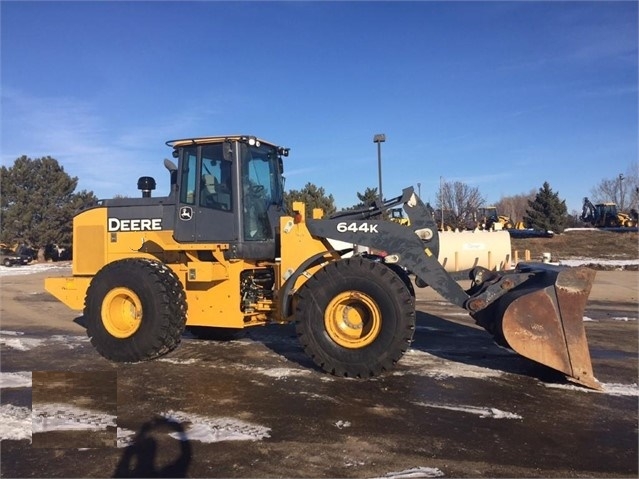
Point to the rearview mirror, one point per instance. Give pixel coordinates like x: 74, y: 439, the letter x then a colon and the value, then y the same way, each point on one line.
x: 227, y: 151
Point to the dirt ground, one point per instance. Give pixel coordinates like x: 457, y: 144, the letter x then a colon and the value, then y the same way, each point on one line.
x: 611, y: 245
x: 456, y: 406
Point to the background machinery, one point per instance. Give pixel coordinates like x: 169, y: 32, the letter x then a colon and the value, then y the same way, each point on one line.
x: 220, y: 253
x: 489, y: 219
x: 606, y: 215
x: 397, y: 215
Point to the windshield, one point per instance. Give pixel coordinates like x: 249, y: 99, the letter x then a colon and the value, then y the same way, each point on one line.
x: 262, y: 187
x: 261, y: 170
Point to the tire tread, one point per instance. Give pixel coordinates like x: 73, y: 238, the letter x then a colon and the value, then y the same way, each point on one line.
x: 169, y: 304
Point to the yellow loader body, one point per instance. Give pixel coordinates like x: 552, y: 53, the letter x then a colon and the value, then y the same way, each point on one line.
x: 211, y: 287
x: 220, y: 253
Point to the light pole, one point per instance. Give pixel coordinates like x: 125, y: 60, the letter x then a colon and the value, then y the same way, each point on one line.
x: 379, y: 139
x: 620, y: 191
x: 441, y: 198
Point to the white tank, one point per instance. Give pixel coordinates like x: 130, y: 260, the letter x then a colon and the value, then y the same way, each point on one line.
x: 463, y: 250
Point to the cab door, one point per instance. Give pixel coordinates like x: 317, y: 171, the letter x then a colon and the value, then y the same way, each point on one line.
x: 206, y: 209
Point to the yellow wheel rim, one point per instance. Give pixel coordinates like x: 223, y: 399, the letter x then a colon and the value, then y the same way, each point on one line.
x: 121, y: 312
x: 352, y: 319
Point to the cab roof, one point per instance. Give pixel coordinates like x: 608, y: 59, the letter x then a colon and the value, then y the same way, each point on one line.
x: 216, y: 139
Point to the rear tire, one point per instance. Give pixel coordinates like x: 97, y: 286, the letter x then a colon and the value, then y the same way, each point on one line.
x: 355, y: 318
x: 135, y: 310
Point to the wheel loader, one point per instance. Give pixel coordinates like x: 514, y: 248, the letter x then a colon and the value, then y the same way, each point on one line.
x: 220, y: 254
x: 397, y: 215
x: 489, y: 219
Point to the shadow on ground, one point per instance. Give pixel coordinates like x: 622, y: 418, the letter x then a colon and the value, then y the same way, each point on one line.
x: 148, y: 456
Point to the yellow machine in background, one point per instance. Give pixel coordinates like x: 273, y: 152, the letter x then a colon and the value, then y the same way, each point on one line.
x: 397, y: 215
x: 606, y: 215
x: 220, y: 254
x: 489, y: 219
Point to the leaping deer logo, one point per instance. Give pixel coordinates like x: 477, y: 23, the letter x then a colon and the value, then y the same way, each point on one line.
x: 186, y: 213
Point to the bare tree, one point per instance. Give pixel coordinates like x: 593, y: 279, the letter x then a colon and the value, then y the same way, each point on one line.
x: 515, y: 206
x: 622, y: 189
x: 459, y: 202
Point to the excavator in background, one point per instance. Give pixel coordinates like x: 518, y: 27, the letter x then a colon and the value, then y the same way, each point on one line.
x: 220, y: 253
x: 606, y: 215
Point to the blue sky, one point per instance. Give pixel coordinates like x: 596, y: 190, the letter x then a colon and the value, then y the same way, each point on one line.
x: 500, y: 95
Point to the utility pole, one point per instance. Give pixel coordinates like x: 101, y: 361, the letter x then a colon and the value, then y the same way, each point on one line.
x: 379, y: 139
x: 419, y: 190
x: 621, y: 205
x: 441, y: 198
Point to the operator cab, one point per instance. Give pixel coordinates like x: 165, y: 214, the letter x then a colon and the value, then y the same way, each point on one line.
x: 229, y: 190
x: 609, y: 209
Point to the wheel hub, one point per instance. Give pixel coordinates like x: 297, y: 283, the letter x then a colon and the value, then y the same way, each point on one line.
x: 353, y: 320
x: 121, y: 312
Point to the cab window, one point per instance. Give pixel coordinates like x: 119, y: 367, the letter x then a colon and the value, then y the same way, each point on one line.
x: 189, y: 176
x: 215, y: 180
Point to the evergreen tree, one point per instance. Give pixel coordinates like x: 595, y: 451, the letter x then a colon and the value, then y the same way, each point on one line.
x: 37, y: 202
x: 367, y: 198
x: 547, y: 211
x: 313, y: 197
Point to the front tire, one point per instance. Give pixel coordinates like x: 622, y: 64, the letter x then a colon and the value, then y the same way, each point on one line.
x: 135, y: 310
x: 355, y: 318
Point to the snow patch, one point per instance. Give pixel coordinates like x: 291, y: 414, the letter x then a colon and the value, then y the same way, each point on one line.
x: 612, y: 389
x: 15, y: 423
x: 35, y: 268
x: 616, y: 389
x: 342, y: 424
x: 17, y: 340
x: 20, y: 379
x: 125, y: 437
x: 413, y: 472
x: 608, y: 262
x: 70, y: 342
x: 21, y: 344
x: 282, y: 373
x: 482, y: 412
x: 208, y: 429
x: 425, y: 364
x: 11, y: 333
x: 321, y: 397
x: 178, y: 361
x: 615, y: 318
x: 65, y: 417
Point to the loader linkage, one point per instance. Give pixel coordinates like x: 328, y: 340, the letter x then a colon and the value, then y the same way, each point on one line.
x: 536, y: 309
